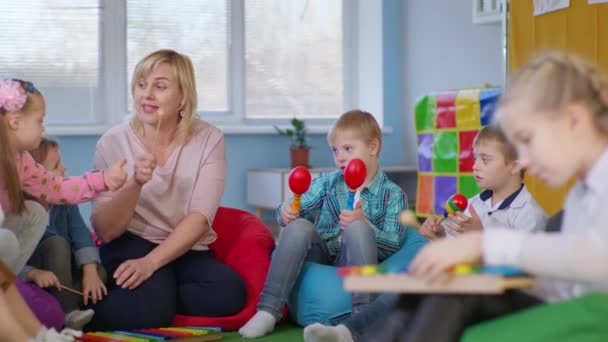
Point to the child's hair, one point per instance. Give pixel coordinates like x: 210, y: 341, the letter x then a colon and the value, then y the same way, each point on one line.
x: 8, y: 169
x: 184, y: 74
x: 556, y: 79
x: 361, y: 123
x: 494, y: 133
x: 46, y: 144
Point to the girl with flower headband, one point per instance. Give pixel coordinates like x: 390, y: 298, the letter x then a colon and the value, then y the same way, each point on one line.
x: 22, y: 110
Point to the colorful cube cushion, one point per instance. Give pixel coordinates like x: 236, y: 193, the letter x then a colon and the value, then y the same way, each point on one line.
x: 446, y: 124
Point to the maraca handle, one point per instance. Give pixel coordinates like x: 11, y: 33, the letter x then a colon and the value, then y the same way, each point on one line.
x: 351, y: 199
x: 295, y: 205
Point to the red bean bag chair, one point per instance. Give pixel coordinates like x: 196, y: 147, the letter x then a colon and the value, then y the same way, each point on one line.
x: 244, y: 243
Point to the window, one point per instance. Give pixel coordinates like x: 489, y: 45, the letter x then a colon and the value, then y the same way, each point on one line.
x: 293, y: 58
x: 55, y: 44
x: 290, y: 52
x: 256, y: 61
x: 197, y: 28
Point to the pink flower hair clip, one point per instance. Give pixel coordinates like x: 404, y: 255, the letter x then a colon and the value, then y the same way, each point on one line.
x: 12, y: 95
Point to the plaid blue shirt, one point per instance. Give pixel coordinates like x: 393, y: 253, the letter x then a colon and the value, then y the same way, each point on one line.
x: 383, y: 202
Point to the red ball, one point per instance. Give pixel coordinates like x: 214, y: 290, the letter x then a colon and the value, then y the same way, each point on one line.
x: 460, y: 201
x: 354, y: 173
x: 299, y: 180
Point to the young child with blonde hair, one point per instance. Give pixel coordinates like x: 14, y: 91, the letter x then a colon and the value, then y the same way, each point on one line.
x: 66, y: 254
x: 555, y: 111
x: 324, y: 231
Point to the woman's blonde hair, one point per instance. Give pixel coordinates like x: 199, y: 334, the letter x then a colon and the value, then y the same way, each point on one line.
x: 556, y: 79
x: 361, y: 123
x: 8, y: 167
x: 184, y: 74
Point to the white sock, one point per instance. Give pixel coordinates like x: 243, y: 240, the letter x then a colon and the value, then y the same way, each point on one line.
x: 320, y: 333
x: 259, y: 325
x: 67, y: 332
x: 77, y: 319
x: 51, y: 335
x: 41, y: 334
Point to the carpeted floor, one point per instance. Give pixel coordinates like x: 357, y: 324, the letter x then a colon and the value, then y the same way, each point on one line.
x: 285, y: 332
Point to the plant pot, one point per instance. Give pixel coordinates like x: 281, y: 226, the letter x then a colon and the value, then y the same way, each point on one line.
x: 299, y: 157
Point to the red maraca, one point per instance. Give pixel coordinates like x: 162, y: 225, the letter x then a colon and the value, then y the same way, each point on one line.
x: 299, y: 182
x: 354, y: 176
x: 455, y: 203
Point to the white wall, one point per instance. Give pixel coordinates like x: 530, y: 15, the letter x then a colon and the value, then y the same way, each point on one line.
x: 443, y: 50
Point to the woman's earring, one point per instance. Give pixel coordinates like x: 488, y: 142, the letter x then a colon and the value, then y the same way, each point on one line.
x: 182, y: 113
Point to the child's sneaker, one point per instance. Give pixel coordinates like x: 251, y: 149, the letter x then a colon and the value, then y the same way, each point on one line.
x: 77, y: 319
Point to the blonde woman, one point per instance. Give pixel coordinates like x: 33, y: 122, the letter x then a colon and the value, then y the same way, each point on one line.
x: 157, y: 229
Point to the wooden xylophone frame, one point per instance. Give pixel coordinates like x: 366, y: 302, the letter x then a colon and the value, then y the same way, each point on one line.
x: 475, y: 283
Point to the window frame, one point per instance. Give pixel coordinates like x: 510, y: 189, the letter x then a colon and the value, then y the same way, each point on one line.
x: 362, y: 60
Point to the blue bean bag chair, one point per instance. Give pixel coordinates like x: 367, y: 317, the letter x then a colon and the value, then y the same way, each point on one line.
x: 318, y: 295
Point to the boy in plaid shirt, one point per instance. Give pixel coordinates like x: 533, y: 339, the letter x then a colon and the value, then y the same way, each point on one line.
x: 324, y: 232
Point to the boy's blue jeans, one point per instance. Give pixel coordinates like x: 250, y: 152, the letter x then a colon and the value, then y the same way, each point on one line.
x: 300, y: 242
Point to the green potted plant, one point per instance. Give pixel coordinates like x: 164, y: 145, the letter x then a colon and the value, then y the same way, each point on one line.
x: 299, y: 149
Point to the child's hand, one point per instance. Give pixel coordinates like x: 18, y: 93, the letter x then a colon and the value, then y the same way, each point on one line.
x: 460, y: 223
x: 472, y: 223
x: 115, y: 176
x: 43, y: 278
x: 431, y: 228
x: 288, y: 214
x: 349, y: 216
x: 144, y: 167
x: 438, y: 256
x: 92, y: 286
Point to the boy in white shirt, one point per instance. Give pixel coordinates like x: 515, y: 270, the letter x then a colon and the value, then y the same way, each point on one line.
x: 505, y: 201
